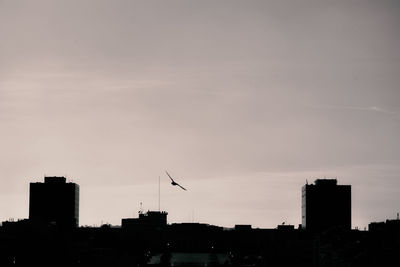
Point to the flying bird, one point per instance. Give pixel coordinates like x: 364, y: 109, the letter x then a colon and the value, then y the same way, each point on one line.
x: 173, y: 182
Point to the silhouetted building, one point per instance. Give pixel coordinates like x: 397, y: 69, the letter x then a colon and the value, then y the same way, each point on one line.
x: 285, y: 227
x: 326, y: 205
x: 243, y: 227
x: 190, y: 259
x: 54, y: 202
x: 148, y: 219
x: 392, y: 226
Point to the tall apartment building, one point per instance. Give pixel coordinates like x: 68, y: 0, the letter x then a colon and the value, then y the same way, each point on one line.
x: 55, y: 201
x: 326, y: 205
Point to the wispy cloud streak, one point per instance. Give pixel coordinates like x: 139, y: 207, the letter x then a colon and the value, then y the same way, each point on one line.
x: 375, y: 109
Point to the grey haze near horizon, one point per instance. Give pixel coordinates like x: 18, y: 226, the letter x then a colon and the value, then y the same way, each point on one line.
x: 241, y: 101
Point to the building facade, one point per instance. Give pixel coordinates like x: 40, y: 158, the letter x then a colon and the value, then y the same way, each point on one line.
x: 54, y: 202
x: 326, y: 205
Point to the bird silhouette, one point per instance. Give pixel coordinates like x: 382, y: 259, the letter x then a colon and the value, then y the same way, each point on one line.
x: 173, y: 182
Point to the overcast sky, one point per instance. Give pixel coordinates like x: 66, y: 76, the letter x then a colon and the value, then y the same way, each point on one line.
x: 241, y: 101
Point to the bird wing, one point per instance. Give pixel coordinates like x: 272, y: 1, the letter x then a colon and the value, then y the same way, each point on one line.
x: 181, y: 187
x: 169, y: 176
x: 174, y: 181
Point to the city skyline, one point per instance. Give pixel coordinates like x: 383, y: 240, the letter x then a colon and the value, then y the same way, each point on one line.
x: 325, y: 204
x: 51, y: 236
x: 241, y: 102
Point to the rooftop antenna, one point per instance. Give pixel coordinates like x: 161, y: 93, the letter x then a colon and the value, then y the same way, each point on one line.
x: 159, y: 194
x: 141, y: 208
x: 397, y: 216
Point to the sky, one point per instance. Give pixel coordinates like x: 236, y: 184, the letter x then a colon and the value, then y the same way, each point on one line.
x: 242, y: 102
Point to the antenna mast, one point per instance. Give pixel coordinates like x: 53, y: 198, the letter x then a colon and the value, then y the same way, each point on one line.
x: 159, y: 194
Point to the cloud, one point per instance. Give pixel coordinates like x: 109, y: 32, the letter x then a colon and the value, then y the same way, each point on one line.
x: 375, y: 109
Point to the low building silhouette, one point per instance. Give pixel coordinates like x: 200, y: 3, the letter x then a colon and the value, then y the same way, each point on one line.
x: 148, y: 219
x: 326, y: 205
x: 54, y: 202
